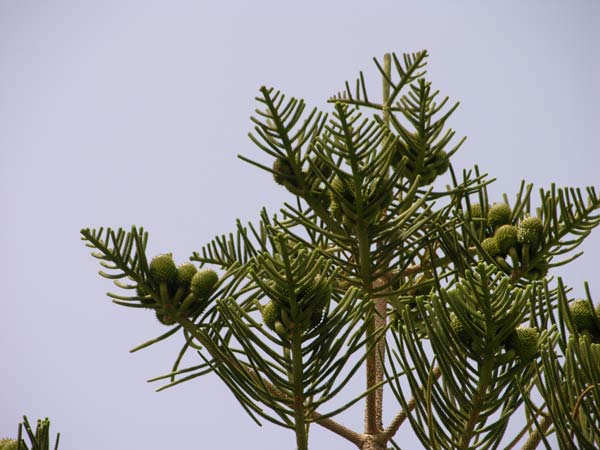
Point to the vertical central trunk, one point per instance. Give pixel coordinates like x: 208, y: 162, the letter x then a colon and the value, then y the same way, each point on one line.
x: 371, y: 443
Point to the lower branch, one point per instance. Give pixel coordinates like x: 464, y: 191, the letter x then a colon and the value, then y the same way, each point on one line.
x: 326, y: 423
x: 338, y: 429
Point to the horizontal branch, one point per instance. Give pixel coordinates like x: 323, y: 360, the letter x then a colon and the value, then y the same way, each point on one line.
x: 327, y: 423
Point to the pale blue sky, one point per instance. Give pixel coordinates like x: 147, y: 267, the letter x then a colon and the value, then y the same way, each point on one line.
x: 116, y: 113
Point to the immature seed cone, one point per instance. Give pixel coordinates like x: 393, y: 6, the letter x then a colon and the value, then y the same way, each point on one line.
x: 506, y: 237
x: 530, y: 231
x: 282, y: 171
x: 442, y: 163
x: 9, y: 444
x: 162, y: 268
x: 203, y: 282
x: 582, y: 314
x: 498, y: 215
x: 524, y: 341
x: 280, y: 329
x: 271, y: 314
x: 459, y: 328
x: 428, y: 176
x: 345, y: 191
x: 476, y: 212
x: 491, y: 246
x: 185, y: 273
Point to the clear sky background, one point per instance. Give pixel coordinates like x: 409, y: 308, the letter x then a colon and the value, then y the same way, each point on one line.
x: 116, y: 113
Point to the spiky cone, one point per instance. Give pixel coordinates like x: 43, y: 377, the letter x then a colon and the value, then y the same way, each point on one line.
x: 283, y: 174
x: 9, y: 444
x: 476, y: 212
x: 202, y: 282
x: 477, y: 218
x: 524, y: 341
x: 491, y: 247
x: 281, y: 330
x: 459, y: 329
x: 441, y: 163
x: 283, y: 171
x: 163, y: 268
x: 334, y: 208
x: 529, y: 235
x: 180, y: 287
x: 530, y: 231
x: 428, y: 176
x: 312, y: 297
x: 583, y: 315
x: 185, y: 273
x: 163, y: 272
x: 506, y: 238
x: 498, y: 215
x: 342, y: 189
x: 323, y: 196
x: 271, y: 314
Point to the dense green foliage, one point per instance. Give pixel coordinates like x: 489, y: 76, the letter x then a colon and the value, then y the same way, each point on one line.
x: 451, y: 300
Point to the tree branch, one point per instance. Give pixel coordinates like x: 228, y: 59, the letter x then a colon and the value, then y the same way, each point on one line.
x: 327, y: 423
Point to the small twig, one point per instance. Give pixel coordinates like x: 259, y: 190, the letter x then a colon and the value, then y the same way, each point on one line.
x: 580, y: 399
x: 338, y: 429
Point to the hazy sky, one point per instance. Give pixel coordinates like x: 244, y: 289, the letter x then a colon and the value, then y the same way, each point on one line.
x: 116, y: 113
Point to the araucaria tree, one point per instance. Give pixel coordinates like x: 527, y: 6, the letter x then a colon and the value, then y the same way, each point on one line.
x: 447, y: 296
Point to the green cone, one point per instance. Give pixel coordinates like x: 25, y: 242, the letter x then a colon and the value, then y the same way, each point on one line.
x: 162, y: 268
x: 498, y: 215
x: 506, y: 237
x: 524, y: 341
x: 490, y: 245
x: 203, y: 282
x: 582, y: 314
x: 530, y: 231
x: 271, y: 314
x: 185, y: 273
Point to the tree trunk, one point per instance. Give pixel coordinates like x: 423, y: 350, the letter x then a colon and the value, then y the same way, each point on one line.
x: 372, y: 443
